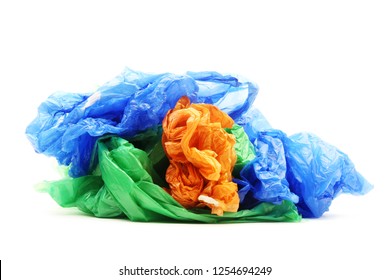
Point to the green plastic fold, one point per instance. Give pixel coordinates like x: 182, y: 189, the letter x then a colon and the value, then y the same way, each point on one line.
x: 123, y: 184
x: 244, y: 148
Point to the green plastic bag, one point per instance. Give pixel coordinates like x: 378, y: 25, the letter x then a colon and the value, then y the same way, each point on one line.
x: 123, y: 184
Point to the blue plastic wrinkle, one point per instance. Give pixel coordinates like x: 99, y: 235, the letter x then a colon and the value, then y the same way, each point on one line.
x: 69, y: 124
x: 264, y: 178
x: 253, y: 121
x: 302, y: 165
x: 318, y: 172
x: 233, y: 95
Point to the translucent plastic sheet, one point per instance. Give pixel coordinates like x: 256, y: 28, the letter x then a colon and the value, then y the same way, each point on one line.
x: 201, y: 155
x: 301, y: 165
x: 245, y: 151
x: 125, y: 187
x: 190, y: 148
x: 318, y: 172
x: 264, y: 178
x: 68, y: 124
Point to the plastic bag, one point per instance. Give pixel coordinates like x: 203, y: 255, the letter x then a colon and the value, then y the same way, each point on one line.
x: 201, y: 155
x: 301, y: 165
x: 125, y: 186
x: 318, y: 172
x: 112, y: 177
x: 68, y: 124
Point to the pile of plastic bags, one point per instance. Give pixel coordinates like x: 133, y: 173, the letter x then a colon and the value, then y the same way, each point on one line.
x: 187, y: 148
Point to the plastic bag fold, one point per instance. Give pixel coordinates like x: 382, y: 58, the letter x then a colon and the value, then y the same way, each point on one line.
x: 264, y: 178
x: 194, y: 142
x: 69, y: 124
x: 302, y: 168
x: 318, y: 172
x: 125, y: 187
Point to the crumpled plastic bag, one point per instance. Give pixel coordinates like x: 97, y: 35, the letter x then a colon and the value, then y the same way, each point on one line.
x: 201, y: 155
x: 69, y: 124
x: 301, y: 165
x: 123, y: 185
x: 318, y: 172
x: 112, y: 177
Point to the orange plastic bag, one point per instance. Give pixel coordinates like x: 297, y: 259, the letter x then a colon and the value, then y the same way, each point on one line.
x: 201, y: 155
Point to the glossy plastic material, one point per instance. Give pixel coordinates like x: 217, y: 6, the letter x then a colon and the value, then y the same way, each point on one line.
x: 201, y: 155
x: 68, y: 124
x: 125, y: 187
x: 318, y: 172
x: 264, y: 178
x: 214, y: 150
x: 245, y: 151
x: 301, y: 165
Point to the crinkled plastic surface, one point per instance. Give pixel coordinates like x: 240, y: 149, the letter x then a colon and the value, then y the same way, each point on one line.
x: 302, y: 165
x: 264, y: 178
x: 233, y: 95
x: 125, y: 186
x: 245, y: 151
x: 253, y: 121
x: 201, y: 155
x: 68, y: 124
x: 318, y: 172
x: 208, y: 153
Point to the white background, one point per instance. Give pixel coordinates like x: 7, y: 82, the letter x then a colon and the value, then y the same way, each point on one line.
x: 322, y: 66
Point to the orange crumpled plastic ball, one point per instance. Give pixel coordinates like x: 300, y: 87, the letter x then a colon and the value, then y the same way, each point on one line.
x: 201, y: 155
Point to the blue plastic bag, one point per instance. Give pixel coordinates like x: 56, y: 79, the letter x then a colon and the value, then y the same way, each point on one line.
x: 301, y: 165
x: 318, y: 172
x: 68, y: 124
